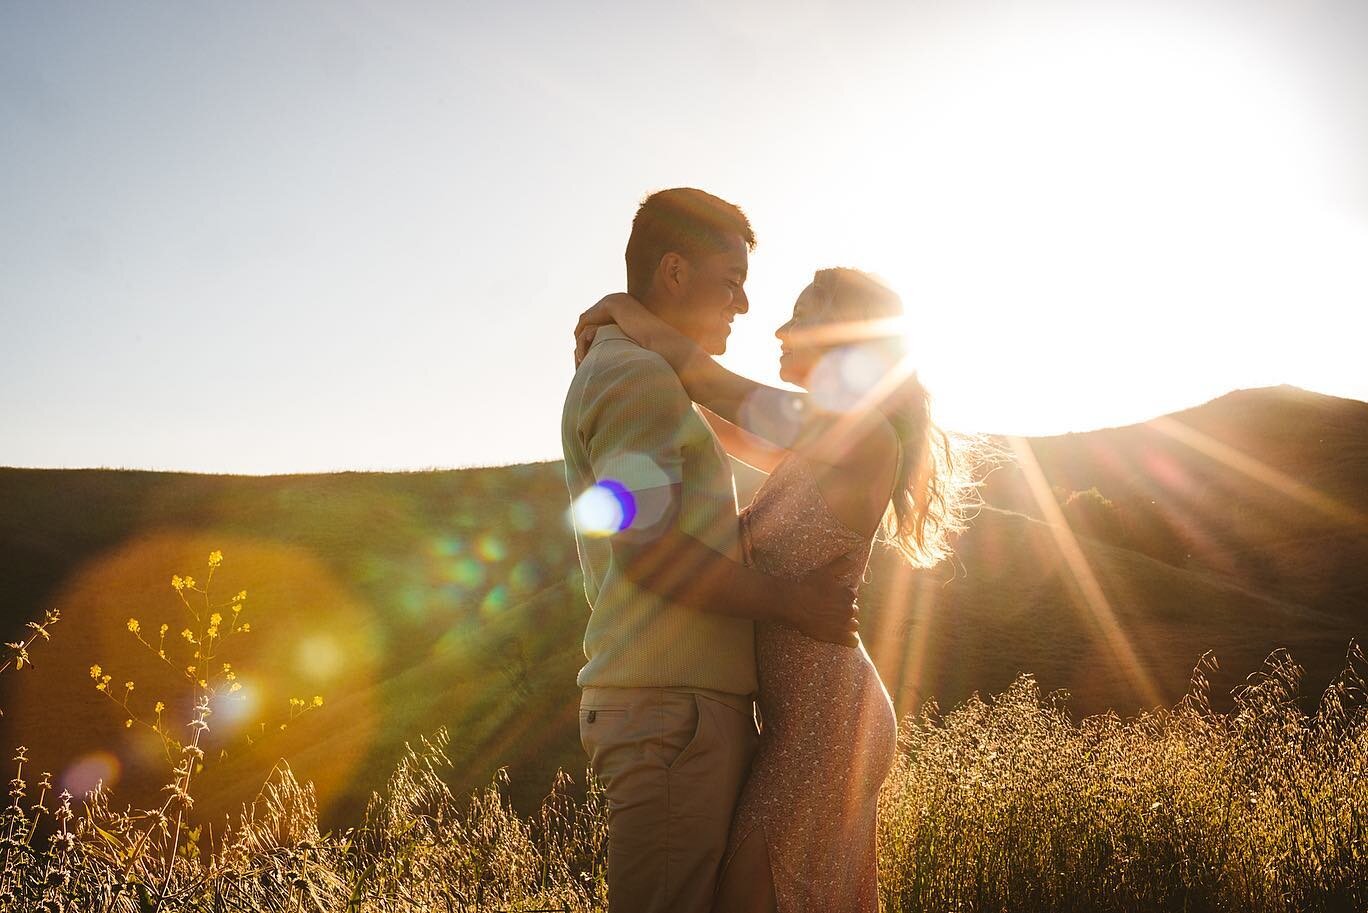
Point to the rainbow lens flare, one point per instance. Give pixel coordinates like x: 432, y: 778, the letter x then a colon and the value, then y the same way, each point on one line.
x: 605, y: 508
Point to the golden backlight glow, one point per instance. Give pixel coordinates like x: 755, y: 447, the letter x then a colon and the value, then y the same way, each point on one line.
x: 1091, y: 223
x: 309, y: 634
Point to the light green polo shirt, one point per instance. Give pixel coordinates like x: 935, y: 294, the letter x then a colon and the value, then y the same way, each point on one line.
x: 627, y: 420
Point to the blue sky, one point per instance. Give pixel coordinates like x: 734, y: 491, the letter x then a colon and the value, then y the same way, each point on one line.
x: 314, y: 236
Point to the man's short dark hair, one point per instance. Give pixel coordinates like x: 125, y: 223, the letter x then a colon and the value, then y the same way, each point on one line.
x: 689, y: 222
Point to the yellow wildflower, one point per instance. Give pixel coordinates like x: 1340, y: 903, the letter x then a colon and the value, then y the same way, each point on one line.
x: 188, y: 635
x: 95, y: 671
x: 128, y: 685
x: 133, y: 625
x: 215, y: 558
x: 159, y: 708
x: 164, y: 629
x: 236, y: 686
x: 215, y: 618
x: 318, y: 700
x: 177, y: 582
x: 128, y: 724
x: 242, y: 594
x: 190, y: 582
x: 247, y: 626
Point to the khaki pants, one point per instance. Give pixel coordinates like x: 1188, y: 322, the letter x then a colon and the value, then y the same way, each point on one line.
x: 671, y: 763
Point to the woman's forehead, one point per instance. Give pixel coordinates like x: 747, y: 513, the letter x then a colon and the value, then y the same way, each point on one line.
x: 811, y: 302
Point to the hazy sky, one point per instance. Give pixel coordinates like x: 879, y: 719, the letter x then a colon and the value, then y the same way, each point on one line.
x: 277, y: 237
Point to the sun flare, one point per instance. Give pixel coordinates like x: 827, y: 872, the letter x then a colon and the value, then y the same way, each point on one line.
x: 1089, y: 223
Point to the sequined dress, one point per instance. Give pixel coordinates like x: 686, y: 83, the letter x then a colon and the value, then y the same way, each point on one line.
x: 829, y: 730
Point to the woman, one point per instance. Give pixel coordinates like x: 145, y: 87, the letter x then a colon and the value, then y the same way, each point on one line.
x: 855, y: 458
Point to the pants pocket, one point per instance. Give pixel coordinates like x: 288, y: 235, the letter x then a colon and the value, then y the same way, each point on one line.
x: 596, y: 720
x: 697, y: 734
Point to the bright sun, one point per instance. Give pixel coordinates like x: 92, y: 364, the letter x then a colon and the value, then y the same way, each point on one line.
x: 1089, y: 225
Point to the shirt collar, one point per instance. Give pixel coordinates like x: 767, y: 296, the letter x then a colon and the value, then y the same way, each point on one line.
x: 609, y: 331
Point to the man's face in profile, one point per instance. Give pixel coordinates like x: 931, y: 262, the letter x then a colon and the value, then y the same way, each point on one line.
x: 714, y: 295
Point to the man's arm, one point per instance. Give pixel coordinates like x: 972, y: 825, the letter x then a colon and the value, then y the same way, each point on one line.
x: 678, y: 567
x: 745, y: 446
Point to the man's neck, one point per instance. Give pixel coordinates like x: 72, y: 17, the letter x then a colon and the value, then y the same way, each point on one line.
x: 664, y: 311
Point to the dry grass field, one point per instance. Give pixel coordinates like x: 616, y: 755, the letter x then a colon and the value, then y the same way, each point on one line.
x: 998, y: 805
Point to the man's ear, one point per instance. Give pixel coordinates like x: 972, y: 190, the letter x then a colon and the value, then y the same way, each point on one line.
x: 673, y: 274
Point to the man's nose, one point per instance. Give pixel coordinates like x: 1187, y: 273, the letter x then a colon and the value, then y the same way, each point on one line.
x: 780, y: 333
x: 741, y: 302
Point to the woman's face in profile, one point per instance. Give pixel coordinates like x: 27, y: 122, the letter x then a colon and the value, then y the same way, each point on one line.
x: 800, y: 338
x: 836, y: 356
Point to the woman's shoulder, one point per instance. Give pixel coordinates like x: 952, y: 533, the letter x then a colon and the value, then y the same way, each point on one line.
x: 861, y: 446
x: 855, y: 480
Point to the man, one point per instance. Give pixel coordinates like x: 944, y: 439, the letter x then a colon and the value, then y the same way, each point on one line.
x: 666, y: 712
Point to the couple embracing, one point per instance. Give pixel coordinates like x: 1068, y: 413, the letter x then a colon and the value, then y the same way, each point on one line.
x: 701, y: 616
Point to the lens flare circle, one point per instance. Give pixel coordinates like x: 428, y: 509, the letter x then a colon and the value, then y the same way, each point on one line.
x: 491, y: 548
x: 844, y: 377
x: 237, y: 709
x: 320, y: 657
x: 637, y: 480
x: 605, y: 508
x: 84, y: 773
x: 775, y: 415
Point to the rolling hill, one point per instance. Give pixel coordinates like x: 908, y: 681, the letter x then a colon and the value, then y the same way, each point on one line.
x: 1104, y: 563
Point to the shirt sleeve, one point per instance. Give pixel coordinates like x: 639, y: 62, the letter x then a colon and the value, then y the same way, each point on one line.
x: 634, y: 423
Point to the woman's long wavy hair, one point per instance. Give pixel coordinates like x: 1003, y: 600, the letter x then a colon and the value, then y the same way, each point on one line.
x: 938, y: 475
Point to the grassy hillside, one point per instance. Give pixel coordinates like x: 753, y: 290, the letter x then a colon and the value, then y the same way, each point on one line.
x: 408, y: 600
x: 452, y: 598
x: 1268, y: 487
x: 1015, y: 605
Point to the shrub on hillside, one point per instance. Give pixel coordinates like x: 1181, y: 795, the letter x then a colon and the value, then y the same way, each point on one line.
x: 1134, y: 522
x: 1091, y: 514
